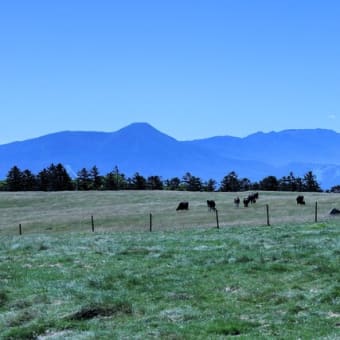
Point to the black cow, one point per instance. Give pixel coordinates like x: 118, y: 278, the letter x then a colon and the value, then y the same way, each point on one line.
x: 211, y: 205
x: 253, y: 197
x: 334, y: 211
x: 300, y: 200
x: 183, y: 206
x: 237, y: 201
x: 246, y: 202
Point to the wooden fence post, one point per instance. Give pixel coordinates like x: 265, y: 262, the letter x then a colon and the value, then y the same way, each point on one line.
x: 150, y: 222
x: 316, y: 212
x: 92, y: 223
x: 267, y: 210
x: 217, y: 223
x: 20, y: 230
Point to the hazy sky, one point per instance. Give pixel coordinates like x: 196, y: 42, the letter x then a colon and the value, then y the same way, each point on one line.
x: 191, y: 68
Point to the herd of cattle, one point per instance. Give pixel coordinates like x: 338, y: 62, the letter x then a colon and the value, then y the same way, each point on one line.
x: 251, y: 198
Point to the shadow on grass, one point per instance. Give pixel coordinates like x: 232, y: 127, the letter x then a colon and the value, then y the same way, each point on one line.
x: 231, y: 327
x: 93, y: 311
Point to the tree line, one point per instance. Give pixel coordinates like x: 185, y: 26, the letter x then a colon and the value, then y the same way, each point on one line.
x: 56, y: 178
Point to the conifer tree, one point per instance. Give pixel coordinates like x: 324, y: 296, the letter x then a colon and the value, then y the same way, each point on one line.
x: 83, y: 179
x: 230, y: 182
x: 96, y: 179
x: 29, y: 181
x: 310, y: 182
x: 14, y: 179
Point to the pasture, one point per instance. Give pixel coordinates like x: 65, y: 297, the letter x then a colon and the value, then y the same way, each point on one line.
x: 130, y: 210
x: 185, y: 280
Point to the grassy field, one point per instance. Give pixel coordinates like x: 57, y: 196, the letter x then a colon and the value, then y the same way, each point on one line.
x: 45, y: 212
x: 185, y: 280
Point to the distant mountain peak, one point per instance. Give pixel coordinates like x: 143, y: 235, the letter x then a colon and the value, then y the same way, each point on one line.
x: 139, y: 125
x: 143, y: 130
x: 295, y: 131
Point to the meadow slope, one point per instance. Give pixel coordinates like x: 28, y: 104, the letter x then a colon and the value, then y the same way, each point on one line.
x: 185, y: 280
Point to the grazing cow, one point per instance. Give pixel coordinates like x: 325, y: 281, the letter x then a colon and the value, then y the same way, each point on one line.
x: 334, y: 211
x: 246, y: 202
x: 253, y: 197
x: 237, y: 201
x: 300, y: 200
x: 211, y: 205
x: 183, y: 206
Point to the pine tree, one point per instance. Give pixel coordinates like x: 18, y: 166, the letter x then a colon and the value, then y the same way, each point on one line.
x: 95, y: 178
x: 14, y: 179
x: 210, y: 186
x: 54, y: 178
x: 173, y: 183
x: 138, y: 182
x: 154, y: 183
x: 43, y: 180
x: 29, y: 181
x: 310, y: 182
x: 230, y: 182
x: 83, y: 180
x: 114, y: 180
x: 192, y: 183
x: 61, y: 179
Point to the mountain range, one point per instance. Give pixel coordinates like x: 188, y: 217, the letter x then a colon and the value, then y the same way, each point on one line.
x: 139, y: 147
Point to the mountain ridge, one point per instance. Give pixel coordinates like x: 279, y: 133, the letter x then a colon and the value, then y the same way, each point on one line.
x: 139, y: 147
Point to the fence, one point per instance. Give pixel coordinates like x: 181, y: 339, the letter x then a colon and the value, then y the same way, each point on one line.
x: 197, y: 216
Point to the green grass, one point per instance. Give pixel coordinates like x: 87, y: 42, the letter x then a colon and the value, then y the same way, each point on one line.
x: 245, y: 280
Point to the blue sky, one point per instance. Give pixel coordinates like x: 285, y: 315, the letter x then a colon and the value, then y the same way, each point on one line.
x: 192, y: 69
